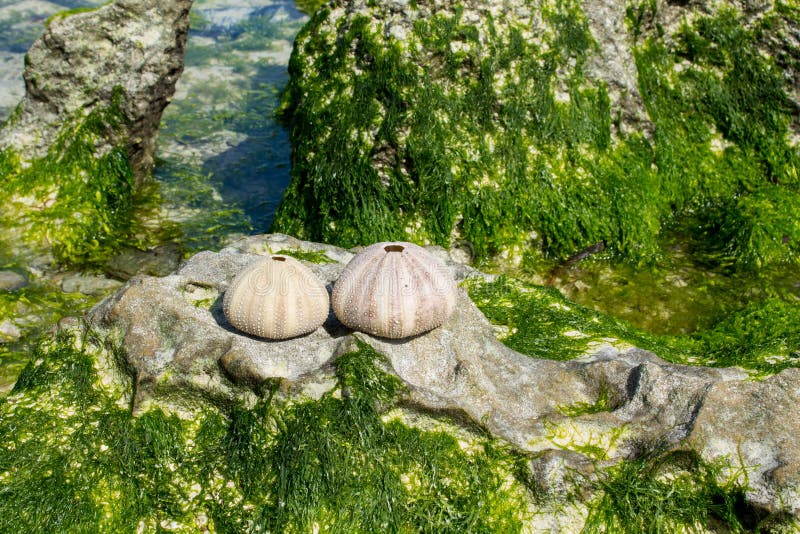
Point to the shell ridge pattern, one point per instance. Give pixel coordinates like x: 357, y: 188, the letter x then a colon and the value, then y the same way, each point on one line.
x: 276, y: 298
x: 377, y: 299
x: 422, y: 286
x: 394, y: 290
x: 394, y: 294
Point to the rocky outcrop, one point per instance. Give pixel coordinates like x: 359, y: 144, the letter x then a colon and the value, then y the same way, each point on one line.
x: 80, y: 145
x: 179, y: 347
x: 129, y: 50
x: 532, y: 127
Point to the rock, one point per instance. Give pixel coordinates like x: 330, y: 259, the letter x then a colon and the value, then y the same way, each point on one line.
x: 159, y: 261
x: 12, y: 280
x: 81, y: 142
x: 184, y: 343
x: 752, y: 427
x: 75, y: 67
x: 519, y: 116
x: 179, y: 347
x: 9, y: 332
x: 88, y: 285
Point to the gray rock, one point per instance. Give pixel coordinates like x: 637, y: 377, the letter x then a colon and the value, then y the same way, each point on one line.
x: 12, y: 281
x: 88, y: 285
x: 81, y: 59
x: 159, y: 261
x: 179, y: 346
x: 753, y: 427
x: 614, y: 63
x: 9, y: 332
x: 177, y: 339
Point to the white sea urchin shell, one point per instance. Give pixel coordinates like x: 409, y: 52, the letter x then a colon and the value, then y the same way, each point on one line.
x: 276, y: 298
x: 394, y: 290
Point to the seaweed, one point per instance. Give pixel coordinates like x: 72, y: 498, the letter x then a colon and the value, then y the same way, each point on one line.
x: 72, y: 459
x: 503, y: 142
x: 540, y: 322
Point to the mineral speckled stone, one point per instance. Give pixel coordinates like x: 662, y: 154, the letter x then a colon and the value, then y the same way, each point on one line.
x: 394, y: 290
x: 276, y: 298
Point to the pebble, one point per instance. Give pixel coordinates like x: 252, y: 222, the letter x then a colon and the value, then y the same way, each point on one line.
x: 12, y: 281
x: 9, y: 332
x: 88, y: 285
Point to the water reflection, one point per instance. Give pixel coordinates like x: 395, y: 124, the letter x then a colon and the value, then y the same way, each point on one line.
x: 220, y: 135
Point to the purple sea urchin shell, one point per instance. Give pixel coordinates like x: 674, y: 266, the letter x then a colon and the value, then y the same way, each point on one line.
x: 394, y: 290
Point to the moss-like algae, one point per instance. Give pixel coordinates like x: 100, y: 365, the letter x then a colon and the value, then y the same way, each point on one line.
x: 31, y: 310
x: 72, y: 459
x: 502, y: 141
x: 667, y: 492
x: 540, y: 322
x: 77, y: 200
x: 309, y: 6
x: 312, y: 256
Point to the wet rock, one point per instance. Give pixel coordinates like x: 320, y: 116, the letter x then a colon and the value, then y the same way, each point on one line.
x: 753, y: 428
x: 9, y: 332
x: 600, y: 72
x: 179, y: 346
x: 177, y: 342
x: 88, y: 285
x: 81, y: 60
x: 159, y: 261
x: 12, y: 281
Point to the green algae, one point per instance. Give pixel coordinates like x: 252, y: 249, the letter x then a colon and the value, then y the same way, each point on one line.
x: 538, y: 321
x: 74, y: 11
x: 667, y: 492
x: 727, y: 88
x: 605, y: 402
x: 431, y: 175
x: 505, y: 144
x: 312, y: 256
x: 75, y: 200
x: 309, y: 6
x: 73, y: 459
x: 32, y: 310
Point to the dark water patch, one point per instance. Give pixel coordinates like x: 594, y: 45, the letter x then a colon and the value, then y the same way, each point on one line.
x: 220, y: 135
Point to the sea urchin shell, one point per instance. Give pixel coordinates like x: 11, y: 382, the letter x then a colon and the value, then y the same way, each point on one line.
x: 394, y: 290
x: 276, y: 298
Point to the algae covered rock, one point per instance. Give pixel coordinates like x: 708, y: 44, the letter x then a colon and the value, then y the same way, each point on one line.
x: 588, y: 401
x: 80, y: 144
x: 132, y: 46
x: 535, y: 127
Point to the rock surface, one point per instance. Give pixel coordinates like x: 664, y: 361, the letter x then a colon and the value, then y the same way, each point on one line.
x: 12, y: 280
x: 83, y: 58
x: 88, y: 284
x: 179, y: 347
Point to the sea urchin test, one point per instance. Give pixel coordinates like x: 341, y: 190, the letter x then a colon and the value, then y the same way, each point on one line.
x: 276, y: 298
x: 394, y: 290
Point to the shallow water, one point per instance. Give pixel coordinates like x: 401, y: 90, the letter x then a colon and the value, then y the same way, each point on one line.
x: 222, y: 158
x: 680, y: 295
